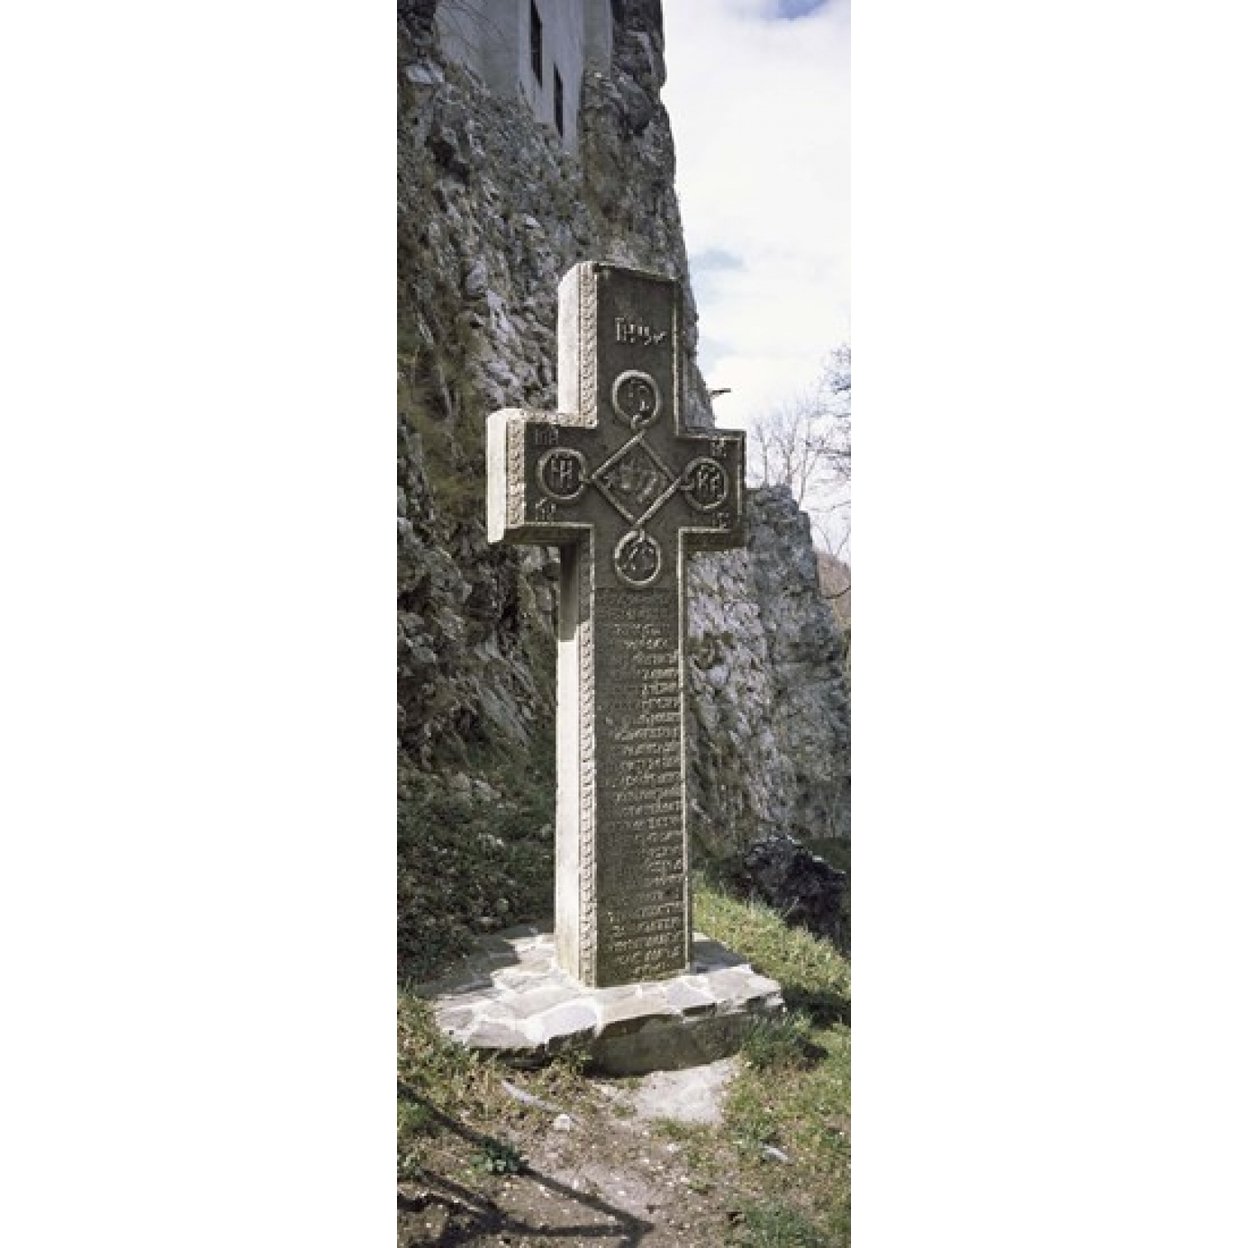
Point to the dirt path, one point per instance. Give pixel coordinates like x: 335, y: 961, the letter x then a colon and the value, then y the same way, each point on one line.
x: 618, y: 1168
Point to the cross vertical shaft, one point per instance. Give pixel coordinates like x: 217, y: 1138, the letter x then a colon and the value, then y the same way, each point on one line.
x: 619, y: 483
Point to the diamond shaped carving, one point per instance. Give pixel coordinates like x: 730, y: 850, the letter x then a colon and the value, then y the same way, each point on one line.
x: 635, y: 481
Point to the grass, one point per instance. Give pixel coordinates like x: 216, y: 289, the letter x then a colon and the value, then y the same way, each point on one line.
x: 781, y: 1044
x: 775, y: 1226
x: 778, y: 1165
x: 447, y: 1098
x: 793, y: 1093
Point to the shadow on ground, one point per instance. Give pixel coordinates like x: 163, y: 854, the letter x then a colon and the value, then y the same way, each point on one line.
x: 462, y: 1216
x: 823, y: 1008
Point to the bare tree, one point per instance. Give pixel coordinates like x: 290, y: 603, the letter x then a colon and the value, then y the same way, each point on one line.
x: 834, y: 395
x: 805, y: 444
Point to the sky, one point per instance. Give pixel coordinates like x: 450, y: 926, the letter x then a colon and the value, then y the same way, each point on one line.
x: 758, y: 96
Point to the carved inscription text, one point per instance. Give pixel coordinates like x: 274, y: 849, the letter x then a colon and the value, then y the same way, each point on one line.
x: 632, y: 333
x: 641, y: 858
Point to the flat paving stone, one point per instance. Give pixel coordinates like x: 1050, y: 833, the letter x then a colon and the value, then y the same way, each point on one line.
x: 535, y: 997
x: 514, y: 1001
x: 572, y: 1020
x: 694, y: 1095
x: 497, y: 1037
x: 689, y: 999
x: 615, y: 1014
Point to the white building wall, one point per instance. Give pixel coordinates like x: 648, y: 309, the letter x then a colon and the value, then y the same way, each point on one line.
x: 599, y: 34
x: 492, y: 38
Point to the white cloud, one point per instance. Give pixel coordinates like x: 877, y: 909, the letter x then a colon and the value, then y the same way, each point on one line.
x: 760, y: 112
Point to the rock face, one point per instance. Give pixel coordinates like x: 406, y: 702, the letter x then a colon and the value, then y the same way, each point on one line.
x: 768, y: 688
x: 492, y: 211
x: 788, y: 877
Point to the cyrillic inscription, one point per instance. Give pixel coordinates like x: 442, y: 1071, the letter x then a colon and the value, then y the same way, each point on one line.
x: 638, y: 558
x: 561, y: 472
x: 635, y: 397
x: 641, y: 862
x: 706, y: 484
x: 633, y: 333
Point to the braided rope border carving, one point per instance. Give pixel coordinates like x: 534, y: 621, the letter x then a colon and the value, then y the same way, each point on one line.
x: 587, y: 351
x: 515, y: 473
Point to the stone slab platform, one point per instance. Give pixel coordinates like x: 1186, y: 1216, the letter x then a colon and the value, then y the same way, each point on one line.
x: 510, y: 999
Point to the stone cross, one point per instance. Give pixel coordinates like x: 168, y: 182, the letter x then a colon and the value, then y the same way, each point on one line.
x: 625, y: 489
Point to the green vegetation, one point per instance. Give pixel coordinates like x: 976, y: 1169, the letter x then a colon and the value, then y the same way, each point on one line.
x: 454, y: 450
x: 781, y: 1044
x: 497, y: 1157
x: 464, y: 858
x: 775, y: 1172
x: 834, y: 850
x: 776, y: 1226
x: 793, y: 1092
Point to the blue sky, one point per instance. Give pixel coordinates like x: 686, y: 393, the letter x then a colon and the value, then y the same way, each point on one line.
x: 800, y: 8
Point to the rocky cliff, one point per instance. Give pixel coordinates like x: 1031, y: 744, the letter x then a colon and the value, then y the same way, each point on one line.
x: 491, y: 213
x: 768, y: 690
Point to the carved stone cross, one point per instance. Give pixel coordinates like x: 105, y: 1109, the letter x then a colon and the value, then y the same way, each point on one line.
x: 618, y: 482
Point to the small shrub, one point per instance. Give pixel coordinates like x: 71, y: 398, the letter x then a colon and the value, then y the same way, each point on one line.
x: 781, y: 1044
x: 774, y: 1226
x: 415, y: 1118
x: 570, y: 1064
x: 755, y: 1128
x: 499, y: 1157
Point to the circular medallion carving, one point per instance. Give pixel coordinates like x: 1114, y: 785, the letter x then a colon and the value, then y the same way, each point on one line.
x: 706, y: 484
x: 636, y: 399
x: 638, y: 558
x: 561, y: 473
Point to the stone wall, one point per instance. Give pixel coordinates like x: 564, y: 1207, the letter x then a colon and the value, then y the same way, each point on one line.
x: 492, y: 211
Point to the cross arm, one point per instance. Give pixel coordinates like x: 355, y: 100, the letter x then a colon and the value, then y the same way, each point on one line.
x: 714, y: 489
x: 536, y: 475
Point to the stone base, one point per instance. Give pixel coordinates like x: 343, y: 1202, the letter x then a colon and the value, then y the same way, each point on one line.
x: 510, y: 999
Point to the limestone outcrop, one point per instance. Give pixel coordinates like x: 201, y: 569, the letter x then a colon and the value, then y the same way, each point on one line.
x: 768, y: 690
